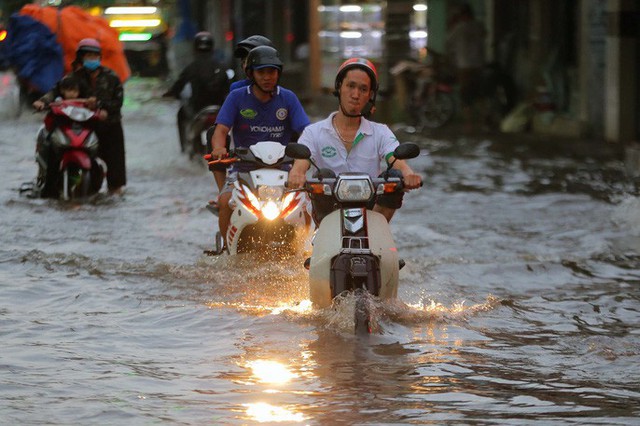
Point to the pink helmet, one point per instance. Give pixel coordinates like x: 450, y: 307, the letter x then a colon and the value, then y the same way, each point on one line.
x: 87, y: 45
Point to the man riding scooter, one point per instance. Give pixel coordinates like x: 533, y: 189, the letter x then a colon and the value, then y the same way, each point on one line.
x: 241, y: 52
x: 208, y: 81
x: 347, y: 141
x: 262, y: 111
x: 102, y: 88
x: 354, y: 252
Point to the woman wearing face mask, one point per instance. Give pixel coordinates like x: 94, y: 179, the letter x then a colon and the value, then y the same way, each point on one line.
x: 102, y: 89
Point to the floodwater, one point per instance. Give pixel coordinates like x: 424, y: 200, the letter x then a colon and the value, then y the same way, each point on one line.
x: 518, y: 304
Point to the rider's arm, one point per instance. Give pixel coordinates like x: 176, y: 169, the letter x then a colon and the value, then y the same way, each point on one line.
x: 46, y: 99
x: 411, y: 179
x: 219, y: 141
x: 224, y: 123
x: 297, y: 174
x: 113, y: 103
x: 387, y: 144
x: 179, y: 84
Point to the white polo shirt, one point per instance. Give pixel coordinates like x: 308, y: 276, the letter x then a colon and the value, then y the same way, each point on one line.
x: 374, y: 142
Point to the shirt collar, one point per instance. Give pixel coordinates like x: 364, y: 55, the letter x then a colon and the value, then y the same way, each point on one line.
x: 249, y: 89
x: 365, y: 125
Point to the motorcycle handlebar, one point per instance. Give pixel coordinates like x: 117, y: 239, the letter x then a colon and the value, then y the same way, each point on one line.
x: 376, y: 182
x: 235, y: 156
x: 226, y: 160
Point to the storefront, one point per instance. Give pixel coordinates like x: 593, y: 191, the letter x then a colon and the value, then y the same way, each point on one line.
x: 380, y: 31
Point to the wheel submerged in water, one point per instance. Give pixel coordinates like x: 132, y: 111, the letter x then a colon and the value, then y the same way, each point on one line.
x: 362, y: 313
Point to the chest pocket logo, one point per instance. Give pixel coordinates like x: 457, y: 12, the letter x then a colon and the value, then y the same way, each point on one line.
x: 281, y: 114
x: 329, y: 152
x: 248, y: 113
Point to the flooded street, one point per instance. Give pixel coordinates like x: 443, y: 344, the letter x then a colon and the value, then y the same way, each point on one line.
x: 519, y: 303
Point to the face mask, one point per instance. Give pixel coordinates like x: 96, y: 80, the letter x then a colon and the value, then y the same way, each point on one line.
x: 91, y: 64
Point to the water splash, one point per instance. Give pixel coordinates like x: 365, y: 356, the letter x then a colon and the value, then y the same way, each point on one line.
x: 627, y: 215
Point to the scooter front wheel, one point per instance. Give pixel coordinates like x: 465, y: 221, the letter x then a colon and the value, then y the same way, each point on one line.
x: 362, y: 312
x: 76, y: 183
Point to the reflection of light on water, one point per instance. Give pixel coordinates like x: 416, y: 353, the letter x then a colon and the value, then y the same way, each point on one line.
x: 340, y: 315
x: 434, y: 306
x: 270, y: 372
x: 302, y: 307
x: 428, y: 312
x: 273, y: 373
x: 627, y: 214
x: 263, y: 412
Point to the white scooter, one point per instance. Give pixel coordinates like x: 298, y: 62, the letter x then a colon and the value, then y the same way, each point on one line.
x: 353, y: 248
x: 266, y: 219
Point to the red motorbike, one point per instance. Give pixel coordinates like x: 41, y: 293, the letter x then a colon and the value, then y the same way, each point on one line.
x: 67, y: 154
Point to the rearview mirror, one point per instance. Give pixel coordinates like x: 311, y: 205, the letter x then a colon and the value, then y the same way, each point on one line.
x: 298, y: 151
x: 406, y: 150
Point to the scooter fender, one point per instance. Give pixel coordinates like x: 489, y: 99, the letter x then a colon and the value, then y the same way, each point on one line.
x: 241, y: 217
x: 78, y: 157
x: 383, y: 245
x: 328, y: 243
x: 41, y: 142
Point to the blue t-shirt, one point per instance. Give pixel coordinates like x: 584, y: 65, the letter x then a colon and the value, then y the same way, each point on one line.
x: 238, y: 84
x: 253, y: 121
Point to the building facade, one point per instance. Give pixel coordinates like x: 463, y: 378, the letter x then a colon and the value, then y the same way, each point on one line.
x: 581, y: 56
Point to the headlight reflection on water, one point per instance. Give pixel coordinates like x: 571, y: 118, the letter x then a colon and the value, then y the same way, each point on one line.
x: 303, y: 307
x: 272, y: 373
x: 263, y: 412
x: 434, y: 306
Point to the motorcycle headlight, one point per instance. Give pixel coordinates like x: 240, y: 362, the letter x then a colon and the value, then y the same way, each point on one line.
x: 358, y: 189
x: 270, y: 210
x: 258, y: 205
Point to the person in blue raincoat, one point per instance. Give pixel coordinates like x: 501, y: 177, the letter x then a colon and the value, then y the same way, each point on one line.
x: 33, y: 52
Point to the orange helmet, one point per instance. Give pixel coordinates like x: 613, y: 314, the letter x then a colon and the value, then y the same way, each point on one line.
x: 364, y: 64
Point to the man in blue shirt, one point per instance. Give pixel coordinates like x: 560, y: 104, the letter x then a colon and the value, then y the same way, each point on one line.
x: 262, y: 111
x: 242, y: 52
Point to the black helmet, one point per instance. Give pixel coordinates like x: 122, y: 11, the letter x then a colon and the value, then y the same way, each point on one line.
x: 244, y: 47
x: 262, y: 57
x: 203, y: 42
